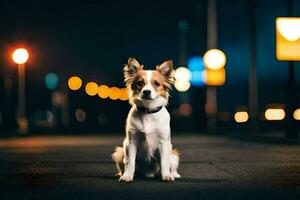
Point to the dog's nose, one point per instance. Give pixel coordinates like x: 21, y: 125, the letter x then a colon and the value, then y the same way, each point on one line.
x: 147, y: 92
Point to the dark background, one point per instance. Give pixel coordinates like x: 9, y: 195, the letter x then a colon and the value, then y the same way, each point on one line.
x: 93, y: 39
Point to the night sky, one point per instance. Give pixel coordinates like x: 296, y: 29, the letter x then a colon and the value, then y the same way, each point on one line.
x: 94, y: 39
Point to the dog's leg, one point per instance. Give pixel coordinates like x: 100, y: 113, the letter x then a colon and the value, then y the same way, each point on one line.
x: 174, y: 163
x: 118, y: 157
x: 165, y: 152
x: 129, y: 162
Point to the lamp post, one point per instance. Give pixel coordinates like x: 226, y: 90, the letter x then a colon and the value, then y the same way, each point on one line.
x: 20, y: 57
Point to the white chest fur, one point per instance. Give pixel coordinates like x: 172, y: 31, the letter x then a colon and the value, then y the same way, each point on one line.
x: 158, y: 123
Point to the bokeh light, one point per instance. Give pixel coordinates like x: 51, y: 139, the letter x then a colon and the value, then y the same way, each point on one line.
x: 275, y: 114
x: 183, y: 25
x: 74, y: 83
x: 214, y: 77
x: 20, y: 56
x: 51, y: 81
x: 123, y: 95
x: 289, y: 27
x: 80, y: 115
x: 296, y: 114
x: 185, y: 109
x: 241, y: 117
x: 214, y: 59
x: 91, y: 88
x: 182, y: 79
x: 196, y: 66
x: 182, y: 85
x: 114, y: 93
x: 183, y: 74
x: 103, y: 91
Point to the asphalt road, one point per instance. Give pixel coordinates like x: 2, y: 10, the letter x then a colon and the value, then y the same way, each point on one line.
x: 61, y: 167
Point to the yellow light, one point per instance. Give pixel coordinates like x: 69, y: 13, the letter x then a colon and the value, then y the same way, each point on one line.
x: 288, y: 38
x: 297, y: 114
x: 114, y: 93
x: 289, y: 27
x: 20, y: 56
x: 214, y: 77
x: 123, y: 94
x: 275, y: 114
x: 103, y: 91
x: 74, y: 83
x: 214, y: 59
x: 182, y: 85
x: 183, y: 74
x: 241, y: 117
x: 91, y: 88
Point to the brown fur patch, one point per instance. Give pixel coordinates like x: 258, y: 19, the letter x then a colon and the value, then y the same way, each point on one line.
x: 175, y: 152
x: 158, y: 83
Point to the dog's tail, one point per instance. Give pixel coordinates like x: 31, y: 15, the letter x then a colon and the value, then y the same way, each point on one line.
x: 118, y: 157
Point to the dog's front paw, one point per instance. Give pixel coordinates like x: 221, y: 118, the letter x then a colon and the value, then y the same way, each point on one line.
x: 126, y: 178
x: 176, y: 175
x: 167, y: 178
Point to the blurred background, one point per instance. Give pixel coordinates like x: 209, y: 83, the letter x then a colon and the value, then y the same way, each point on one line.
x: 73, y: 80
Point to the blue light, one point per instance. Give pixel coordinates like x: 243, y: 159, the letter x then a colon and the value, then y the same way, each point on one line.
x: 195, y: 64
x: 198, y: 78
x: 51, y: 81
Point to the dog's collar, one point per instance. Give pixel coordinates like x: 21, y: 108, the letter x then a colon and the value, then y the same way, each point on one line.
x: 144, y: 110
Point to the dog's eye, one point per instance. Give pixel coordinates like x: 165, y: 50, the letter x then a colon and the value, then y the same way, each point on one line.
x: 140, y: 83
x: 156, y: 84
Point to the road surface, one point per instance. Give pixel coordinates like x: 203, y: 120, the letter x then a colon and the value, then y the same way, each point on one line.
x: 80, y: 167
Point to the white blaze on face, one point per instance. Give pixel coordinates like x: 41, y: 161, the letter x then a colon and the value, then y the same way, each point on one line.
x: 148, y: 85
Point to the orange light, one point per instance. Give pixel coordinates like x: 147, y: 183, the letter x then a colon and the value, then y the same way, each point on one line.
x: 103, y: 91
x: 20, y: 56
x: 215, y: 77
x: 288, y: 38
x: 275, y: 114
x: 297, y: 114
x: 123, y: 95
x: 74, y: 83
x: 114, y: 93
x: 91, y: 88
x: 241, y: 117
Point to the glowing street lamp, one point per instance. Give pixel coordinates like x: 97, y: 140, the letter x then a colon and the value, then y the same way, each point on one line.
x: 20, y: 57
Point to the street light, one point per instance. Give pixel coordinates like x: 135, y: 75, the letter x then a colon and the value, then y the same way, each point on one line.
x: 20, y: 57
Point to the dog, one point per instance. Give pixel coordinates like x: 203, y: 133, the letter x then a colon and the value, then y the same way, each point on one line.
x: 147, y: 147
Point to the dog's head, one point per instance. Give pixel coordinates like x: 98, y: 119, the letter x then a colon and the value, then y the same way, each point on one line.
x: 148, y: 88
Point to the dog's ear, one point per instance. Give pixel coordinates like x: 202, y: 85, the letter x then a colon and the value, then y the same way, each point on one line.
x: 166, y: 68
x: 130, y: 70
x: 132, y: 66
